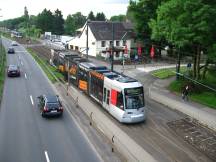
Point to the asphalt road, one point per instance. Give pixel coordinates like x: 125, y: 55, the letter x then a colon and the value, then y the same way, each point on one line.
x: 27, y: 137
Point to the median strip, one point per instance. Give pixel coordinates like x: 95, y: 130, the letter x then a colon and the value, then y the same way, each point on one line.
x: 2, y: 68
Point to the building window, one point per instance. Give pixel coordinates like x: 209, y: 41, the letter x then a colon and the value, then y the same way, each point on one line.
x: 124, y: 42
x: 117, y: 43
x: 111, y: 43
x: 103, y: 43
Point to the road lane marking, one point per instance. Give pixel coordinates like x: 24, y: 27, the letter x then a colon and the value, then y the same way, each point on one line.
x: 19, y: 57
x: 47, y: 157
x: 21, y: 63
x: 31, y: 100
x: 25, y: 76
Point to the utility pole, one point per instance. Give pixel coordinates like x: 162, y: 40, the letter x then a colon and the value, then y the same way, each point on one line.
x: 112, y: 46
x: 87, y: 48
x: 68, y: 75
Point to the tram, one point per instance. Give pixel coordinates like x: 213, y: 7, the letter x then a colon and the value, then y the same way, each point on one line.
x: 120, y: 95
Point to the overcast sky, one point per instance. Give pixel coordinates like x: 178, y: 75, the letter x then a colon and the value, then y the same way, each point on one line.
x: 15, y: 8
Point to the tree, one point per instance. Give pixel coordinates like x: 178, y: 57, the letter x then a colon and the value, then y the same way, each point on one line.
x: 140, y: 13
x: 73, y: 22
x: 45, y: 20
x: 185, y: 23
x: 100, y: 16
x: 91, y: 16
x: 58, y: 23
x: 119, y: 18
x: 69, y: 25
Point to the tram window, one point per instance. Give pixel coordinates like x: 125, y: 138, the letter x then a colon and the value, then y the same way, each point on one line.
x: 108, y: 96
x: 119, y: 103
x: 104, y: 97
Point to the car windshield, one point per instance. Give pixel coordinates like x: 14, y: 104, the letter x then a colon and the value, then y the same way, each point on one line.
x: 13, y: 67
x: 134, y: 98
x: 52, y: 105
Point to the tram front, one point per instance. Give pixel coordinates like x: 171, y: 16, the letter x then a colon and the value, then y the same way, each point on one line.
x: 134, y: 105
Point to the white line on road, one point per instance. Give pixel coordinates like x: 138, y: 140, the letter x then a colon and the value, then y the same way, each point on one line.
x: 21, y: 63
x: 31, y: 100
x: 47, y: 157
x: 25, y: 76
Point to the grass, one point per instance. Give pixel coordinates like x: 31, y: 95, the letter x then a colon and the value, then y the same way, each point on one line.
x: 42, y: 63
x: 2, y: 69
x: 167, y: 73
x: 202, y: 96
x: 205, y: 98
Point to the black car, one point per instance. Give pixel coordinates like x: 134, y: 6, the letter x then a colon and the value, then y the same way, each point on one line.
x: 13, y: 70
x: 50, y: 105
x: 11, y: 50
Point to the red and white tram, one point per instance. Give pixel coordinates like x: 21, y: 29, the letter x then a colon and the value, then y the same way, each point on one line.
x: 120, y: 95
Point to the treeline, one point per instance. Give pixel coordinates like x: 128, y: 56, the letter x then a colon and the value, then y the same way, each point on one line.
x: 54, y: 22
x: 186, y: 26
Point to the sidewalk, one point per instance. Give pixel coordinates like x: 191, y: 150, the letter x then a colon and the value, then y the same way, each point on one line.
x: 203, y: 114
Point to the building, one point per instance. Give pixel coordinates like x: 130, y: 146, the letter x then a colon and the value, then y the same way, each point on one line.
x: 100, y: 36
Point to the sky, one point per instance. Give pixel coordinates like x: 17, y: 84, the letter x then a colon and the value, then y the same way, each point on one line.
x: 15, y: 8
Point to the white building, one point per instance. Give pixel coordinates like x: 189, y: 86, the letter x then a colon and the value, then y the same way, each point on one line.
x: 100, y: 39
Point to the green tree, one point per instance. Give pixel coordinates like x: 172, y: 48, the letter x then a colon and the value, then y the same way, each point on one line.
x: 69, y: 25
x: 73, y: 22
x: 185, y: 23
x: 45, y: 20
x: 91, y: 16
x: 100, y: 16
x: 140, y: 12
x: 119, y: 18
x: 58, y: 23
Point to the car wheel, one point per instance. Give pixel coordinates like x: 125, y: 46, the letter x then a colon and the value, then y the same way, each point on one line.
x: 42, y: 114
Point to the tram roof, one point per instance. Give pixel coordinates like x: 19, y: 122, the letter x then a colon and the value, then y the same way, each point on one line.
x: 116, y: 76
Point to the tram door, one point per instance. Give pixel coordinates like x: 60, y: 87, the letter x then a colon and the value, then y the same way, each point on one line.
x: 106, y: 98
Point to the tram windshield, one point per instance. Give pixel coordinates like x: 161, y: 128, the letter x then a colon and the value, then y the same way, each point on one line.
x: 134, y: 98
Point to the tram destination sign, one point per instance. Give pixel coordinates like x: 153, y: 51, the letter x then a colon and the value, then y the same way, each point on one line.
x: 134, y: 91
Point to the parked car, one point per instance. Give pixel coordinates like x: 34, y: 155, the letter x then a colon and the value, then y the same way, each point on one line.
x: 50, y: 105
x: 11, y: 50
x: 13, y: 70
x: 14, y: 43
